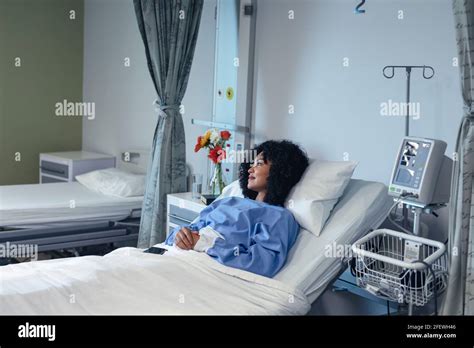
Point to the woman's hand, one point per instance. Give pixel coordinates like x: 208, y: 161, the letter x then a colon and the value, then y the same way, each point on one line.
x: 186, y: 239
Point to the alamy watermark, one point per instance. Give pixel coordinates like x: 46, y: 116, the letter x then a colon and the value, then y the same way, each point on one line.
x: 28, y: 330
x: 392, y: 108
x: 340, y: 251
x: 11, y: 250
x: 67, y: 108
x: 238, y: 156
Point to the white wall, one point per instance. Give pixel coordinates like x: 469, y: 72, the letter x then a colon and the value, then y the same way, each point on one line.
x: 337, y: 109
x: 125, y: 118
x: 299, y: 62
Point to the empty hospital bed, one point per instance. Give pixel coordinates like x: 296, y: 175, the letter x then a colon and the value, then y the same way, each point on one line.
x: 128, y: 281
x: 66, y: 215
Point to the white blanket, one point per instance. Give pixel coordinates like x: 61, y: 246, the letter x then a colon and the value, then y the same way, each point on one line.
x: 128, y: 281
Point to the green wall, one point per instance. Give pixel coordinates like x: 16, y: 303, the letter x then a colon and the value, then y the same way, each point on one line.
x: 50, y: 46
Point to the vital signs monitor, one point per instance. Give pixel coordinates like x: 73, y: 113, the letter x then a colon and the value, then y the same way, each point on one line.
x: 422, y: 172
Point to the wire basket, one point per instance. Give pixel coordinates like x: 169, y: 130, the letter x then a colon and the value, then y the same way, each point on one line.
x: 400, y: 267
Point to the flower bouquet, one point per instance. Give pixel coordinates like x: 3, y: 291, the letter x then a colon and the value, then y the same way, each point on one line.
x: 215, y: 141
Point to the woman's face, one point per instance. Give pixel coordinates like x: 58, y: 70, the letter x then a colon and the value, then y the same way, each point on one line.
x: 258, y: 174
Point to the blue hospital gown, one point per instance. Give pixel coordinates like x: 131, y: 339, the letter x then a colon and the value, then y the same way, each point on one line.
x: 257, y: 236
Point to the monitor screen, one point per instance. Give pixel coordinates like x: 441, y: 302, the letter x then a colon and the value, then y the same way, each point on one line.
x: 412, y: 163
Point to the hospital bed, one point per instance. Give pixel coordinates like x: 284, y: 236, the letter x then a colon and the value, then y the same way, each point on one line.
x: 66, y: 215
x: 363, y: 207
x: 128, y: 281
x: 69, y: 215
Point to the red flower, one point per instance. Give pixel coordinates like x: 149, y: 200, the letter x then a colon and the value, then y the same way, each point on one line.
x: 197, y: 147
x: 225, y: 135
x: 217, y: 154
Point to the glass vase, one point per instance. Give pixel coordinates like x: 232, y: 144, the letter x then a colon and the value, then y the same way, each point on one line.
x: 217, y: 182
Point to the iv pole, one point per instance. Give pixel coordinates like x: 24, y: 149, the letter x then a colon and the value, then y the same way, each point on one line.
x: 408, y: 68
x: 428, y: 73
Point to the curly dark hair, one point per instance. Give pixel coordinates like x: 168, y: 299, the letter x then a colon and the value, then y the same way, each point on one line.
x: 288, y: 163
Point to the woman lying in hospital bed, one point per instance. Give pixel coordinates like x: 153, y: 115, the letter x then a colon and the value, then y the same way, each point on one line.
x: 129, y: 281
x: 254, y: 233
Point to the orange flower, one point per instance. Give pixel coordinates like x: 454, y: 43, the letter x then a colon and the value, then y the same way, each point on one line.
x: 205, y: 139
x: 225, y: 135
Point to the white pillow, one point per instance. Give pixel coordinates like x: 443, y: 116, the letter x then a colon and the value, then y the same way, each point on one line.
x: 315, y: 195
x: 113, y: 182
x: 231, y: 190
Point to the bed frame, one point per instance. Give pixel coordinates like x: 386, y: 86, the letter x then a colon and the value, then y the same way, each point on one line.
x: 74, y: 235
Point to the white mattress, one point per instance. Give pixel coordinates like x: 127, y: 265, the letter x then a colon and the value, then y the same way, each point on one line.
x: 364, y: 206
x: 51, y: 203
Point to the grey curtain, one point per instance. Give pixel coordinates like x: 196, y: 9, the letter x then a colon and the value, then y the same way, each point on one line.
x: 169, y: 29
x: 459, y: 298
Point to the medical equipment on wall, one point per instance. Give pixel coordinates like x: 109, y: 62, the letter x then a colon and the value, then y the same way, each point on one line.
x: 399, y: 267
x: 420, y: 179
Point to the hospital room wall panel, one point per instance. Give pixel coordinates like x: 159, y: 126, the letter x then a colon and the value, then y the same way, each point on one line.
x: 124, y: 95
x: 337, y: 106
x: 41, y: 65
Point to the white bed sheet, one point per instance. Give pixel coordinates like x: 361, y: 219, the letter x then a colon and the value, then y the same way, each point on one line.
x: 364, y: 206
x: 46, y: 203
x: 128, y: 281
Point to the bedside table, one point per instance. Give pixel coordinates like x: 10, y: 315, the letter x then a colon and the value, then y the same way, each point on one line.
x: 182, y: 209
x: 64, y: 166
